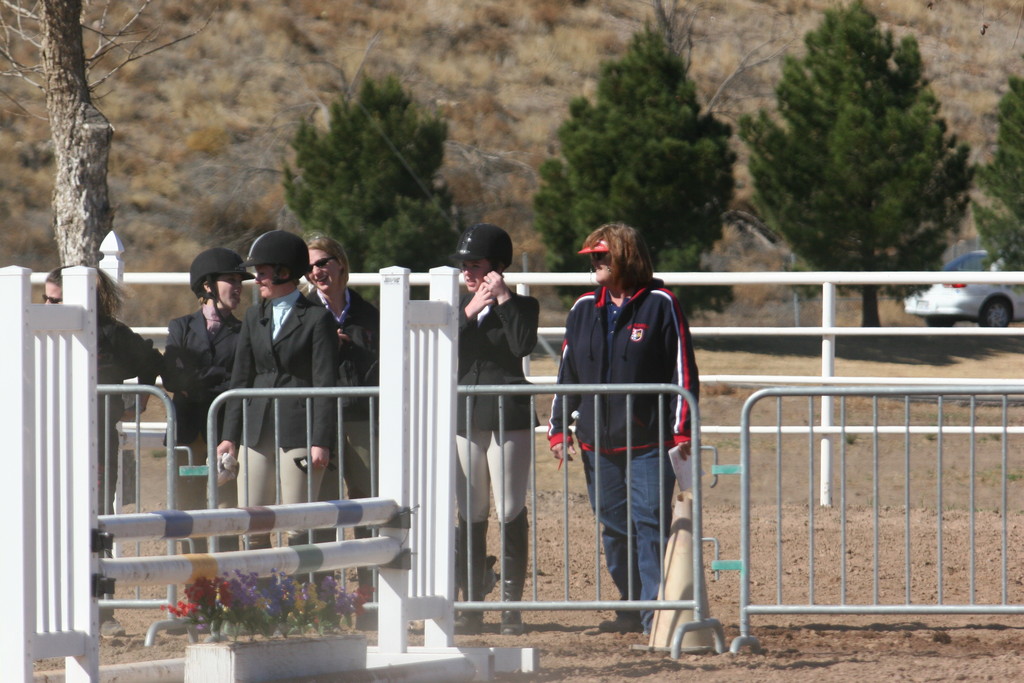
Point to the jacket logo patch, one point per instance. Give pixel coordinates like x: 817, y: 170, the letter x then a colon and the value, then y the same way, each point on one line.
x: 636, y: 333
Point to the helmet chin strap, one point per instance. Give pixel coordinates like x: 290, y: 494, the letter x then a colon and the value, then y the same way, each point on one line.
x: 277, y: 279
x: 212, y: 295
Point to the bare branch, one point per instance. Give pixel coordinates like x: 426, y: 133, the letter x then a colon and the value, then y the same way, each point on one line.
x: 350, y: 90
x: 347, y: 87
x: 747, y: 63
x: 18, y: 10
x: 107, y: 41
x: 20, y: 107
x: 18, y: 31
x: 676, y: 25
x: 133, y: 56
x: 752, y: 225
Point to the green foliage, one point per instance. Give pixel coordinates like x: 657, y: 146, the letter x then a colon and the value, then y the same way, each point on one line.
x: 642, y: 154
x: 1001, y: 219
x: 370, y: 180
x: 859, y: 174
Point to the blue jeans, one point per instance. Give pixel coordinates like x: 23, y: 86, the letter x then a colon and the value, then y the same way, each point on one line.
x: 648, y: 497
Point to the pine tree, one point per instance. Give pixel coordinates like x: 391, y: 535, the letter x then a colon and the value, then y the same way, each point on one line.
x: 642, y: 154
x: 860, y: 174
x: 371, y: 180
x: 1000, y: 220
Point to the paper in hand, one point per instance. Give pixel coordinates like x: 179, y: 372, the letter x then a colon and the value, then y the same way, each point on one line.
x: 682, y: 468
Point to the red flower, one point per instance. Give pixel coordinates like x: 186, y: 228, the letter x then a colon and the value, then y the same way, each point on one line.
x: 364, y: 594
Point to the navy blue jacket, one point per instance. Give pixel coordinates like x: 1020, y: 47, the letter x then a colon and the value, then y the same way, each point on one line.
x: 650, y: 344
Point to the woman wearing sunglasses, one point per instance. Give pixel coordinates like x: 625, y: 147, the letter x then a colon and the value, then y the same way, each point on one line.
x: 630, y: 330
x: 358, y: 356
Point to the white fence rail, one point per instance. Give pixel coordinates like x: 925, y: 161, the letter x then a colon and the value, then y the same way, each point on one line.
x: 826, y: 327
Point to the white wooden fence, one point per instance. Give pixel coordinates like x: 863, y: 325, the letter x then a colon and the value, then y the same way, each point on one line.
x: 49, y: 492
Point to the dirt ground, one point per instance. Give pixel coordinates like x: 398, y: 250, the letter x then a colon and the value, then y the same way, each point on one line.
x: 818, y: 648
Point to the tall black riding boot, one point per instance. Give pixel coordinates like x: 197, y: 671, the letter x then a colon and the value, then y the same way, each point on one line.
x: 517, y: 534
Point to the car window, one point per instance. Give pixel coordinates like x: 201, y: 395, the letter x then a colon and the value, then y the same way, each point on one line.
x: 973, y: 261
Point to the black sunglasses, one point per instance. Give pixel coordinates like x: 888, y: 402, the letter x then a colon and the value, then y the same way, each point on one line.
x: 322, y: 263
x: 52, y: 299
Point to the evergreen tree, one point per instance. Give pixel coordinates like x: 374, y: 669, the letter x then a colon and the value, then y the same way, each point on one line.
x: 370, y: 180
x: 642, y: 154
x: 1001, y: 220
x: 860, y: 174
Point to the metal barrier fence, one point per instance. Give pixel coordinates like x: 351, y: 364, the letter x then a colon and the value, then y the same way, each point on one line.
x: 920, y: 469
x: 560, y: 587
x: 129, y: 456
x: 565, y: 585
x: 121, y: 464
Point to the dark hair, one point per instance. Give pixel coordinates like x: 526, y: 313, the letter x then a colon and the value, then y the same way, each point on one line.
x: 108, y: 295
x: 630, y: 260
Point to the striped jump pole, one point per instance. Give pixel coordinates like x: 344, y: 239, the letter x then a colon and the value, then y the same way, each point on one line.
x: 177, y: 524
x: 141, y: 571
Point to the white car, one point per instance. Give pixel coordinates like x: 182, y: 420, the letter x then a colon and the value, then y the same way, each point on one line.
x: 987, y: 305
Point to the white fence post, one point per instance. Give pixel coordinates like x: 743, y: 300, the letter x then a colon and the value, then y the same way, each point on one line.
x: 49, y: 486
x: 417, y: 442
x: 80, y: 468
x: 395, y: 446
x: 440, y: 530
x: 112, y: 262
x: 17, y: 486
x: 828, y: 370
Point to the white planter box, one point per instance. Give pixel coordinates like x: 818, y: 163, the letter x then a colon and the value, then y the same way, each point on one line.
x: 262, y: 661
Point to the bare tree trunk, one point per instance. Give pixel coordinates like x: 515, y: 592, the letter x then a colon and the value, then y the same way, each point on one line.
x: 81, y: 136
x: 869, y: 306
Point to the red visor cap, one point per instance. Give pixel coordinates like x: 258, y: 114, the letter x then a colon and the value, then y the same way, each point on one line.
x: 600, y: 247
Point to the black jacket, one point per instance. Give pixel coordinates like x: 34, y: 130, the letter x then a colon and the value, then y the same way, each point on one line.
x: 198, y: 369
x: 358, y: 361
x: 492, y: 353
x: 650, y: 344
x: 122, y: 354
x: 305, y: 354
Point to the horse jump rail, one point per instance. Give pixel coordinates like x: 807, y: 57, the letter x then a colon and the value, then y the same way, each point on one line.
x: 176, y: 524
x: 142, y: 571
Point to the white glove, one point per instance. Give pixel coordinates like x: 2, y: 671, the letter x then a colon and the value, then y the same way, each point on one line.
x: 227, y: 468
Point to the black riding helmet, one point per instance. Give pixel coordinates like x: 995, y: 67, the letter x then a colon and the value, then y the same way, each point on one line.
x: 211, y: 263
x: 280, y: 248
x: 484, y: 241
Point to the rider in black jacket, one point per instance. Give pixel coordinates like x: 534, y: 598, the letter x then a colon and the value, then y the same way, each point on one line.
x: 497, y: 329
x: 198, y: 359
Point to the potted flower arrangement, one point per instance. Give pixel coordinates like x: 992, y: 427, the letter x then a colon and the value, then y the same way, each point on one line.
x: 280, y: 606
x: 276, y: 608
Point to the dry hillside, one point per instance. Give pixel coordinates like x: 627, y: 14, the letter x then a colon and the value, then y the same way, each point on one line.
x: 202, y: 126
